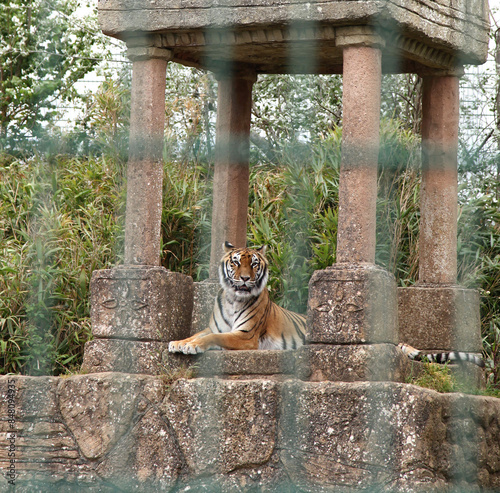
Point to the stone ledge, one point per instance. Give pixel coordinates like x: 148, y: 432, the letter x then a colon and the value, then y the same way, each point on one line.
x: 118, y: 355
x: 246, y: 363
x: 115, y: 431
x: 352, y: 363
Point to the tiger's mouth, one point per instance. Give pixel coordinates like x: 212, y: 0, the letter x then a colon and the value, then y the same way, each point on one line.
x: 243, y: 288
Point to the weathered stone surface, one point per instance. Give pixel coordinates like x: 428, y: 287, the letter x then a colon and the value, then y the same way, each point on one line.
x: 261, y: 30
x: 352, y: 363
x: 109, y: 432
x: 204, y: 295
x: 145, y: 459
x: 393, y: 437
x: 117, y: 355
x: 438, y: 192
x: 352, y: 304
x: 33, y: 397
x: 147, y: 303
x: 246, y: 363
x: 145, y: 165
x: 98, y: 409
x: 356, y: 238
x: 222, y: 426
x: 439, y: 318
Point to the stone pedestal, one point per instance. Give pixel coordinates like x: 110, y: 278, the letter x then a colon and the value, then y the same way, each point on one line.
x: 352, y: 327
x: 439, y: 318
x: 135, y: 313
x: 352, y: 304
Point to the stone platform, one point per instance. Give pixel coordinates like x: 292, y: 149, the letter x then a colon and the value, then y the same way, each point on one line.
x: 108, y: 432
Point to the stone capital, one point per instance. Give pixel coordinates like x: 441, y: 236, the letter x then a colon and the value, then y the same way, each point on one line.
x: 139, y: 53
x: 229, y: 73
x: 457, y: 71
x: 358, y: 36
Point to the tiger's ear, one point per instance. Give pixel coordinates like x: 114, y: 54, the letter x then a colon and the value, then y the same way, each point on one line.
x: 227, y: 247
x: 262, y: 249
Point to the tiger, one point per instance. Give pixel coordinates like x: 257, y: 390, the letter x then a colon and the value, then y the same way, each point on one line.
x: 244, y: 317
x: 441, y: 358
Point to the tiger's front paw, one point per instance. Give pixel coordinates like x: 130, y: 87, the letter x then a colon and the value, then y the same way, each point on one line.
x: 185, y: 347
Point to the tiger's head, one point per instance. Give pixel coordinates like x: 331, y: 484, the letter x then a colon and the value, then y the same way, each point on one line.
x: 243, y: 271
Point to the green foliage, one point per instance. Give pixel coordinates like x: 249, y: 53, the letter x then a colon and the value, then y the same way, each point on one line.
x: 190, y: 114
x: 288, y: 109
x: 46, y: 48
x: 398, y: 213
x: 293, y: 211
x: 104, y: 127
x: 186, y: 219
x: 59, y: 221
x: 61, y: 218
x: 435, y: 377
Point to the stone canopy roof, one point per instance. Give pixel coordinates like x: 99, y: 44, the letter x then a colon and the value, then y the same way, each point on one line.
x: 294, y: 36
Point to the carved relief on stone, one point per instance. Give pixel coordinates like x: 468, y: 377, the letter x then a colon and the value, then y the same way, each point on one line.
x: 126, y: 303
x: 150, y: 304
x: 352, y: 305
x: 121, y: 307
x: 346, y: 302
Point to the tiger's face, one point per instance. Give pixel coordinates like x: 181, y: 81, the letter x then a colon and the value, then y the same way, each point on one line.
x: 243, y: 271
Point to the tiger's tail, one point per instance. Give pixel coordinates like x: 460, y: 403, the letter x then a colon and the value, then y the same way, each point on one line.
x: 441, y: 358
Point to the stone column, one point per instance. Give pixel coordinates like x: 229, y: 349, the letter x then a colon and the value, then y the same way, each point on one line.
x: 360, y: 144
x: 145, y: 163
x: 231, y: 178
x: 231, y: 183
x: 437, y: 314
x: 137, y: 308
x: 438, y: 198
x: 353, y: 304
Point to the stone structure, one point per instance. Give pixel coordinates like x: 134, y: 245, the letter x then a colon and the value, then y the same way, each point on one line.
x: 335, y: 415
x: 107, y: 432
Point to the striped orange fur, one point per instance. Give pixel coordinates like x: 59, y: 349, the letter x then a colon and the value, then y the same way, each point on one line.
x: 244, y: 317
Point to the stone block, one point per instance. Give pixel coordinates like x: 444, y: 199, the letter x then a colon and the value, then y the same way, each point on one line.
x: 87, y: 403
x: 143, y: 303
x: 117, y: 355
x: 204, y: 295
x: 352, y: 304
x: 246, y: 363
x: 352, y: 363
x: 222, y: 426
x: 439, y: 318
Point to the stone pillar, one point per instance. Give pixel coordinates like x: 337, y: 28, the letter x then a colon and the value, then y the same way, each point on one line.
x: 231, y: 178
x: 137, y: 308
x: 360, y: 144
x: 438, y: 198
x: 231, y: 183
x: 145, y: 164
x: 436, y: 314
x: 353, y: 303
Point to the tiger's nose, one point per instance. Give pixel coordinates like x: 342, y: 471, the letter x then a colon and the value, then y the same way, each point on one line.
x: 245, y: 278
